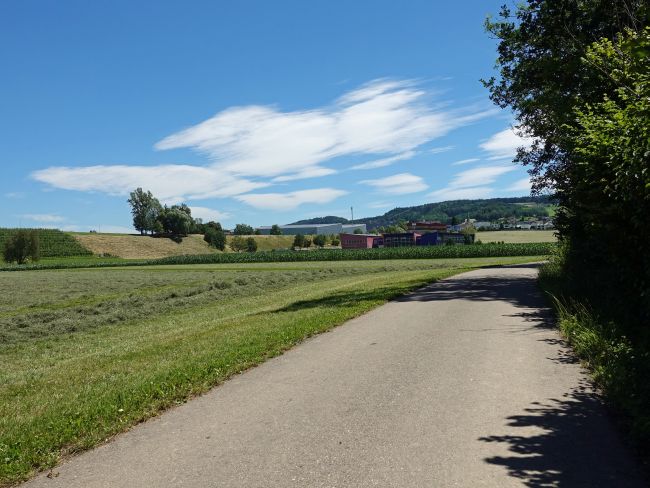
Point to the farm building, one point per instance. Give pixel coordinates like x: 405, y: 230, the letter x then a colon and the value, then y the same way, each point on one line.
x: 401, y: 239
x: 427, y: 226
x: 361, y: 241
x: 315, y: 229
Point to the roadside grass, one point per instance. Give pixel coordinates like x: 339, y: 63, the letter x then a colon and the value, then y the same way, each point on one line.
x: 66, y: 386
x: 618, y: 367
x: 517, y: 236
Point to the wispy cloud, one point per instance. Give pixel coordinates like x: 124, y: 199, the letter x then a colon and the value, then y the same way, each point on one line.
x: 290, y: 200
x: 381, y: 163
x: 399, y: 184
x: 472, y: 183
x: 208, y: 214
x: 45, y: 218
x: 504, y: 144
x: 438, y: 150
x: 255, y: 146
x: 171, y: 182
x: 522, y: 185
x: 465, y: 161
x: 461, y: 193
x: 15, y: 194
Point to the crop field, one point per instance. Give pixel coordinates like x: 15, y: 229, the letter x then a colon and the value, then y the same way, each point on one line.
x: 52, y: 242
x: 517, y: 236
x: 97, y: 350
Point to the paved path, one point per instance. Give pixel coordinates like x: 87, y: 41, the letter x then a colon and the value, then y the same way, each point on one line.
x: 461, y: 384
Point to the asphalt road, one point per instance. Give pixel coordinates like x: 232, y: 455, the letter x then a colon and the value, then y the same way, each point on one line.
x: 464, y: 383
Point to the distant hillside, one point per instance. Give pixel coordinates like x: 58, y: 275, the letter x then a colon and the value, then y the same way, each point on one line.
x: 485, y: 209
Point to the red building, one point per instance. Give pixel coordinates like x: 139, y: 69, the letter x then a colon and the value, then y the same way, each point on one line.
x: 427, y: 226
x: 360, y: 241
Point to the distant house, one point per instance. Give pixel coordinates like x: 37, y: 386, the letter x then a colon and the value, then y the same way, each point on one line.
x: 484, y: 225
x: 361, y: 241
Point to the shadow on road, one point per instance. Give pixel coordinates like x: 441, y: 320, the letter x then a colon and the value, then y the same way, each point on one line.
x: 565, y: 443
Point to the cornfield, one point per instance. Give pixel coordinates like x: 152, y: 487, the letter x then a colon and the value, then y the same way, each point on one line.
x: 52, y: 243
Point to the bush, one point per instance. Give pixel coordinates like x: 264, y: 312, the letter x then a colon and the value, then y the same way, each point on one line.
x: 335, y: 241
x: 307, y: 242
x: 299, y: 241
x: 215, y: 238
x: 251, y: 244
x: 320, y: 240
x: 21, y: 246
x: 243, y: 230
x: 238, y: 244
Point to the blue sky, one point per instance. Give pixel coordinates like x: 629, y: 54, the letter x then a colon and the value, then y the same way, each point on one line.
x: 249, y: 111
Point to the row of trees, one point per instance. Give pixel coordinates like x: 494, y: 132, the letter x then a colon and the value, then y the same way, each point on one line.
x: 319, y: 240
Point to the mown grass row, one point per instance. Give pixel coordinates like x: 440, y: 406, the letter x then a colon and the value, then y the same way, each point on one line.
x: 430, y: 252
x: 52, y: 242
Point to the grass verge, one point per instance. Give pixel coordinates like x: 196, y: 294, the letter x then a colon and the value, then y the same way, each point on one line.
x: 68, y: 391
x: 618, y: 367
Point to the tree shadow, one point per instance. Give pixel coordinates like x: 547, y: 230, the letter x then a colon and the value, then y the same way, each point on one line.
x: 567, y: 442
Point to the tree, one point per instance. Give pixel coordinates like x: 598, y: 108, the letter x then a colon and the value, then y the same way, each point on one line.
x: 243, y: 230
x: 251, y: 244
x: 238, y: 243
x: 335, y: 241
x: 319, y: 240
x: 276, y: 230
x: 145, y: 209
x: 307, y: 242
x: 299, y: 241
x: 258, y: 232
x: 358, y: 231
x: 21, y: 246
x: 175, y: 221
x: 215, y: 236
x: 454, y: 220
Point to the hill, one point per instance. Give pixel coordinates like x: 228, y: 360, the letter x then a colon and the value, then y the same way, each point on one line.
x: 483, y: 209
x: 141, y: 247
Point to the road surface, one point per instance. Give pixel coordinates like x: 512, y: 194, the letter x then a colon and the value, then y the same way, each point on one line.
x: 464, y: 383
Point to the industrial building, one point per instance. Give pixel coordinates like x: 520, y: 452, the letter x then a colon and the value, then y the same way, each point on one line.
x: 315, y: 229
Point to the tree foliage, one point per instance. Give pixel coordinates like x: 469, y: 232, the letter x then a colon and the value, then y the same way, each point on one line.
x: 243, y: 230
x: 320, y: 240
x: 145, y: 209
x: 299, y: 240
x: 215, y: 236
x: 22, y: 246
x: 276, y: 230
x: 251, y: 244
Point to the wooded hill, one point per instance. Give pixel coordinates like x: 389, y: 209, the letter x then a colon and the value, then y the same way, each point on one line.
x: 485, y: 209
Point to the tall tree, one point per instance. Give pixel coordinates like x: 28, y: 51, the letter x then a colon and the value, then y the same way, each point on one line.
x: 145, y: 209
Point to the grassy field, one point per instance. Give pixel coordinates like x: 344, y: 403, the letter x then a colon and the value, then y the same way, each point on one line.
x: 517, y: 236
x: 141, y: 247
x: 97, y: 350
x: 52, y: 242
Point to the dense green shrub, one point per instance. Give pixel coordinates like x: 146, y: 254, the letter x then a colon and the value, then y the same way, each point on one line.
x: 21, y: 246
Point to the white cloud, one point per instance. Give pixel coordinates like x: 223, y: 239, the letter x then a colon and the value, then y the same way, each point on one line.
x: 465, y: 161
x: 171, y: 183
x: 504, y: 144
x: 251, y: 147
x: 472, y: 183
x: 399, y: 184
x: 461, y: 193
x: 380, y: 205
x: 291, y: 200
x: 208, y: 214
x: 480, y: 176
x: 438, y: 150
x: 46, y: 218
x: 15, y: 194
x: 522, y: 185
x: 380, y: 163
x: 313, y: 172
x: 381, y: 117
